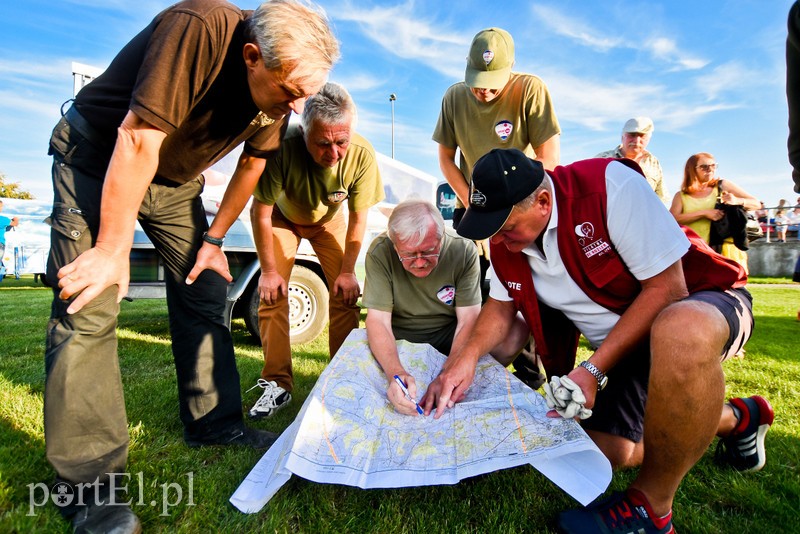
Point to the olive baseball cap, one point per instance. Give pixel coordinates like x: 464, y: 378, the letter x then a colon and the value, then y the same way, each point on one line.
x: 500, y: 179
x: 490, y: 59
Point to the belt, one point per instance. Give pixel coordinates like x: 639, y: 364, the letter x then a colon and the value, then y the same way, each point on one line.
x: 89, y: 132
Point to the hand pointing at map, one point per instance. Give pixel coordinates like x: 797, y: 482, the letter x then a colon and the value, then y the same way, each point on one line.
x: 450, y: 386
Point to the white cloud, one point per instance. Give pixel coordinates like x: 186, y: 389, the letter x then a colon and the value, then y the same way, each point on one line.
x: 727, y: 78
x: 601, y: 106
x: 359, y: 82
x: 667, y: 50
x: 409, y: 36
x: 584, y: 34
x: 576, y: 30
x: 33, y: 70
x: 15, y: 107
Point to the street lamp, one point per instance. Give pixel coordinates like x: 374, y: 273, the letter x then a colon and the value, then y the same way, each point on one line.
x: 392, y: 98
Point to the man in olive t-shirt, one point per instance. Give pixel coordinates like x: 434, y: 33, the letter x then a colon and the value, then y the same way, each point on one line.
x: 321, y: 164
x: 493, y: 108
x: 421, y: 286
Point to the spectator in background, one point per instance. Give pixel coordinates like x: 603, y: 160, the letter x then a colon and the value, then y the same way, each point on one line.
x: 693, y: 205
x: 6, y: 223
x: 636, y: 134
x: 321, y: 163
x: 782, y: 206
x: 793, y: 220
x: 781, y: 225
x: 762, y: 215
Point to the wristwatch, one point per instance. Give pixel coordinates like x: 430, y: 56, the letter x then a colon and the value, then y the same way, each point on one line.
x: 602, y: 379
x: 213, y: 240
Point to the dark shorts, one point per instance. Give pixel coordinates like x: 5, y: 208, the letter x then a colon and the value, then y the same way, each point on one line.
x: 619, y: 409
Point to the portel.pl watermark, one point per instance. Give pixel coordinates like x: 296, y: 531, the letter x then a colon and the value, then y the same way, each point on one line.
x: 116, y: 493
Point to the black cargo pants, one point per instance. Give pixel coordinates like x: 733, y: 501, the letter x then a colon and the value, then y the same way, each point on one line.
x: 86, y: 430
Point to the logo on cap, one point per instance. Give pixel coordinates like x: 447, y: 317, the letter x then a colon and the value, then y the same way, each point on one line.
x: 477, y: 198
x: 503, y: 129
x: 488, y: 56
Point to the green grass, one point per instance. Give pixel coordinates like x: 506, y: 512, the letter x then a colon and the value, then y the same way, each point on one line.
x: 710, y: 500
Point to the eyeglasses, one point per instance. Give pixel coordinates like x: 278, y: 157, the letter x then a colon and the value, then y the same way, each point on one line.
x: 707, y: 167
x: 412, y: 257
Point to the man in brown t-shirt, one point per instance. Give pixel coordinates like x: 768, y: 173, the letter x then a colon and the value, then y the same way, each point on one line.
x: 200, y: 79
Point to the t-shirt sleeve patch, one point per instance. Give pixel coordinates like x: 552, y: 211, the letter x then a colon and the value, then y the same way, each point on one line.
x: 447, y: 295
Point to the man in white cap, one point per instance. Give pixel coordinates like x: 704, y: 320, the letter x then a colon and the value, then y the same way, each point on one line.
x: 493, y: 108
x: 635, y: 136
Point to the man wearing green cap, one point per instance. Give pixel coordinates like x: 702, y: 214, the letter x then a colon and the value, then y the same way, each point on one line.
x: 493, y: 108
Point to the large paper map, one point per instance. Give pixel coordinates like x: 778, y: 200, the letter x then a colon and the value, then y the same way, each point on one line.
x: 347, y: 432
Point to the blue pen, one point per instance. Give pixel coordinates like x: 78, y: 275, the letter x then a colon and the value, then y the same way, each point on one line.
x: 405, y: 391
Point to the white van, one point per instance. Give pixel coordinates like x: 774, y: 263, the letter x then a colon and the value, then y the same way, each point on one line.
x: 28, y: 246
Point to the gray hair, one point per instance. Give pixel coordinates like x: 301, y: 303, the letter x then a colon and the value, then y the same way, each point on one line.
x: 293, y: 36
x: 411, y: 220
x: 527, y: 203
x: 331, y: 106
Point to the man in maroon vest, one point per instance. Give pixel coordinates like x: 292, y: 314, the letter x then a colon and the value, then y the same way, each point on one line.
x: 589, y: 249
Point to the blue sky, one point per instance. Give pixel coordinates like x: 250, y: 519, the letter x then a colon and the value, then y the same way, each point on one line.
x: 711, y: 74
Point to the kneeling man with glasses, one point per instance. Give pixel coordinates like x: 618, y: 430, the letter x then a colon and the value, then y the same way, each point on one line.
x: 422, y: 286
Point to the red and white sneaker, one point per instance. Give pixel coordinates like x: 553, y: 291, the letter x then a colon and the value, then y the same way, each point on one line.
x: 744, y: 448
x: 627, y: 512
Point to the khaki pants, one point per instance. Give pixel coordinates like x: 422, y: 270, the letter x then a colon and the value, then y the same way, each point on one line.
x: 273, y: 321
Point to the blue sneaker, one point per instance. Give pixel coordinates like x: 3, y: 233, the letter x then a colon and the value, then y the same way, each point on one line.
x: 622, y: 513
x: 744, y: 448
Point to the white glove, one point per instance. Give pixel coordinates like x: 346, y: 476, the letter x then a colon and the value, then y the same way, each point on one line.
x: 565, y: 397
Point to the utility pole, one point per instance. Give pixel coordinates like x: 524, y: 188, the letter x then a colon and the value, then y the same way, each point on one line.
x: 392, y: 98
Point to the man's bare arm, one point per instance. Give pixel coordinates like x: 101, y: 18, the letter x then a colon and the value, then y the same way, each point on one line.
x: 491, y: 327
x: 383, y: 345
x: 243, y: 182
x: 633, y: 326
x: 466, y: 317
x: 131, y: 170
x: 346, y: 281
x: 453, y: 175
x: 549, y: 152
x: 271, y: 284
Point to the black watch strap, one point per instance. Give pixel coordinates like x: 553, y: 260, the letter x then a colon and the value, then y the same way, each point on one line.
x: 213, y: 240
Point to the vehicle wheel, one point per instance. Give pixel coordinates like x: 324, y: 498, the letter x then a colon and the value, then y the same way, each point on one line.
x: 308, y: 307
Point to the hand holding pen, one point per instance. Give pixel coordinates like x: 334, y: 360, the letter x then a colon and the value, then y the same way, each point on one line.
x: 402, y: 399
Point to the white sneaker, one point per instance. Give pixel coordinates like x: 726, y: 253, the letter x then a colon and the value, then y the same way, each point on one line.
x: 273, y: 399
